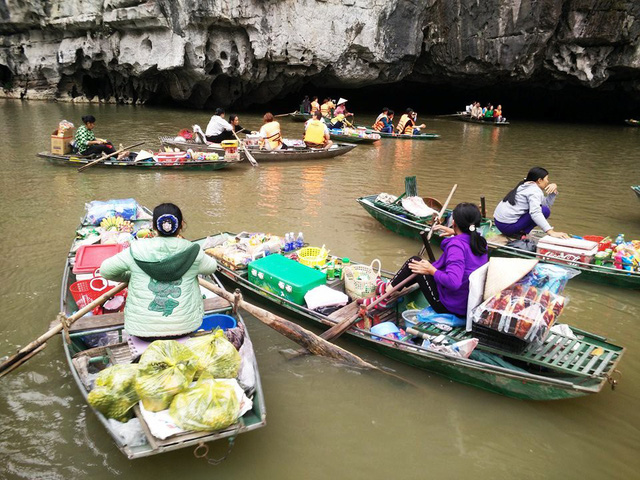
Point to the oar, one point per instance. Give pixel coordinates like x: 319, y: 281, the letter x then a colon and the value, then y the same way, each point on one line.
x: 104, y: 157
x: 252, y: 160
x: 285, y: 114
x: 38, y: 344
x: 444, y: 209
x: 305, y: 338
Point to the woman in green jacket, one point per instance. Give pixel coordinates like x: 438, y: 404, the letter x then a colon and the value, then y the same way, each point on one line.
x: 164, y: 298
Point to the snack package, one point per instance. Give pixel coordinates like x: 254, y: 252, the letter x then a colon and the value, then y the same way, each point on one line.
x: 114, y: 394
x: 96, y: 211
x: 208, y: 405
x: 546, y: 276
x: 523, y: 311
x: 216, y: 356
x: 166, y: 368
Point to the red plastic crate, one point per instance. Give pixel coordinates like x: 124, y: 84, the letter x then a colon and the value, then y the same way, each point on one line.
x: 90, y: 257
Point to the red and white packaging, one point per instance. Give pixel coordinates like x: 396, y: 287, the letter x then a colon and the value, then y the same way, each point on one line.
x: 569, y: 250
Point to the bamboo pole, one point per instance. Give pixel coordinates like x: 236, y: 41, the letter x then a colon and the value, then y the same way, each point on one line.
x: 104, y: 157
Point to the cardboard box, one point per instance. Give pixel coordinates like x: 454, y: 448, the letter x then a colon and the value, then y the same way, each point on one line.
x: 61, y: 145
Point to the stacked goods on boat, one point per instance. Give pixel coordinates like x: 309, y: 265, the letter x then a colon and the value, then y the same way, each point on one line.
x: 412, y: 207
x: 62, y: 137
x: 593, y: 249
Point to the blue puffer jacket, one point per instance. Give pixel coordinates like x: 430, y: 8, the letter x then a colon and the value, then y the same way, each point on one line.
x: 164, y: 297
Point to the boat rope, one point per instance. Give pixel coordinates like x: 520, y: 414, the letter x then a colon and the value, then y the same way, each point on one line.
x: 202, y: 450
x: 612, y: 381
x: 62, y: 318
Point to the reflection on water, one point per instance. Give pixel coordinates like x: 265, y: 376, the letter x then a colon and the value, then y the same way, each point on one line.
x: 324, y: 420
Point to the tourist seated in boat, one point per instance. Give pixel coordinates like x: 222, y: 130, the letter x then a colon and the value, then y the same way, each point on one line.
x: 270, y: 134
x: 315, y: 106
x: 305, y: 106
x: 488, y: 114
x: 497, y: 115
x: 164, y: 298
x: 526, y: 206
x: 407, y: 124
x: 218, y: 128
x: 416, y: 127
x: 476, y: 110
x: 316, y: 134
x: 339, y: 121
x: 234, y: 121
x: 445, y: 282
x: 341, y: 109
x: 384, y: 123
x: 86, y: 143
x: 327, y: 108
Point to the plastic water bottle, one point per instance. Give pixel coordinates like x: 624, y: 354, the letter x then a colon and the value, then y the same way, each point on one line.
x: 300, y: 241
x: 287, y: 243
x: 292, y: 241
x: 619, y: 239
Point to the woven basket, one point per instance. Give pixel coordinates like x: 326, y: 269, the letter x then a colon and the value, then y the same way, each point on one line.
x: 360, y: 280
x: 312, y: 256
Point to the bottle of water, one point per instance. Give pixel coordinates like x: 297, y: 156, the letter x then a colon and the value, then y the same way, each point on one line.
x: 287, y: 243
x: 300, y: 241
x: 292, y: 241
x: 619, y: 239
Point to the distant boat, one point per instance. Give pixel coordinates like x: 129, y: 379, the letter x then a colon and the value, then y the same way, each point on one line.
x: 482, y: 120
x: 633, y: 123
x: 636, y: 188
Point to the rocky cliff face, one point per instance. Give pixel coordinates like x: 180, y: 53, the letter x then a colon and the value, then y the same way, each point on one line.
x: 224, y: 52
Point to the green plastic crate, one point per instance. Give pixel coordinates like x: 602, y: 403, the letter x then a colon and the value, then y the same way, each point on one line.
x: 285, y: 277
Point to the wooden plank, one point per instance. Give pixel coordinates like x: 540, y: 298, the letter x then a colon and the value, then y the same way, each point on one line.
x: 550, y: 342
x: 605, y: 362
x: 579, y: 361
x: 579, y: 350
x: 565, y: 353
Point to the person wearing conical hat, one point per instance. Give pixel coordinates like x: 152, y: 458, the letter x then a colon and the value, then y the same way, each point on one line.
x: 445, y: 282
x: 341, y: 109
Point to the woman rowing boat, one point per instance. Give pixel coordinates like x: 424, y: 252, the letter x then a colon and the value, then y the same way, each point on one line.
x: 526, y: 206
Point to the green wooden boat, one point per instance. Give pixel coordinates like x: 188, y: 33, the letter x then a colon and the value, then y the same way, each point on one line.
x: 633, y: 123
x: 422, y: 136
x: 561, y: 368
x: 636, y: 189
x: 408, y: 226
x: 85, y: 360
x: 481, y: 121
x: 300, y: 117
x: 78, y: 161
x: 340, y: 136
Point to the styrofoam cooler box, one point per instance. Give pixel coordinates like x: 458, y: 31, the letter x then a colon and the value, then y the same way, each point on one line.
x: 567, y: 250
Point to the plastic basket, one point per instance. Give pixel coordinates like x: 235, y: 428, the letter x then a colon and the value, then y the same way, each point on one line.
x: 360, y: 280
x: 86, y: 291
x: 500, y: 341
x: 312, y: 256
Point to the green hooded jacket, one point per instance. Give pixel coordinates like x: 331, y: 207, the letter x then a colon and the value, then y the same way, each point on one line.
x: 164, y: 297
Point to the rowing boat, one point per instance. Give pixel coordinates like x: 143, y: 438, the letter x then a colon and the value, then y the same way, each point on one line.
x: 395, y: 136
x: 107, y: 331
x: 561, y: 368
x: 481, y: 121
x: 300, y: 117
x: 78, y: 161
x: 633, y: 123
x: 407, y: 225
x: 292, y: 153
x: 340, y: 136
x: 636, y: 189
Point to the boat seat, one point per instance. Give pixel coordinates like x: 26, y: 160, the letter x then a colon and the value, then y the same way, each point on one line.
x: 581, y: 356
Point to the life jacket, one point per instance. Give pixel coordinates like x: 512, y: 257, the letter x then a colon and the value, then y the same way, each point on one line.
x: 271, y: 133
x: 379, y: 124
x: 338, y: 118
x: 325, y: 109
x: 315, y: 132
x: 405, y: 125
x: 314, y: 107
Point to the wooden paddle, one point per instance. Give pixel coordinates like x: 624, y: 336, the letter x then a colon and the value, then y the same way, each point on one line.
x: 252, y: 160
x: 104, y: 157
x: 444, y: 209
x: 285, y: 114
x: 292, y: 331
x: 39, y: 343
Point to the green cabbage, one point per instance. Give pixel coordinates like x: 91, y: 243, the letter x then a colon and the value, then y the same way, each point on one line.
x: 114, y: 394
x: 216, y: 355
x: 208, y: 405
x: 166, y: 368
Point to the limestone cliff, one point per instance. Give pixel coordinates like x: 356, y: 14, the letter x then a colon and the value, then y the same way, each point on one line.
x: 210, y: 52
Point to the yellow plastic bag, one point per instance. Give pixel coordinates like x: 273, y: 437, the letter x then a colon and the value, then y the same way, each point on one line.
x: 166, y: 368
x: 114, y: 394
x: 216, y: 355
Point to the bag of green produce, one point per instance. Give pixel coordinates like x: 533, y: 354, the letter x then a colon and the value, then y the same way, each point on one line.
x: 166, y: 368
x: 114, y: 393
x: 208, y: 405
x: 216, y: 355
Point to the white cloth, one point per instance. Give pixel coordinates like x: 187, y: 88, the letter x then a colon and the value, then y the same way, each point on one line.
x: 416, y: 206
x: 323, y: 296
x: 217, y: 125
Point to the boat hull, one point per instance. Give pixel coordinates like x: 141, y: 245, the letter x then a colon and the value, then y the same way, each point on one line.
x: 411, y: 229
x: 422, y: 136
x: 352, y: 139
x: 77, y: 162
x: 477, y: 121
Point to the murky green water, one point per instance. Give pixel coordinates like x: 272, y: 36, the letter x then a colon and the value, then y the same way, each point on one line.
x: 324, y: 421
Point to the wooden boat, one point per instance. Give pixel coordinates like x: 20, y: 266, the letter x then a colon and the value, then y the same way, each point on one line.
x: 340, y: 136
x: 77, y: 161
x: 84, y: 361
x: 408, y: 226
x: 300, y: 117
x: 636, y: 189
x: 561, y: 368
x: 422, y: 136
x: 633, y: 123
x: 292, y: 153
x: 481, y: 121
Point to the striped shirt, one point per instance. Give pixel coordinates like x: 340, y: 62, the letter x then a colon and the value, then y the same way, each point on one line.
x: 83, y: 137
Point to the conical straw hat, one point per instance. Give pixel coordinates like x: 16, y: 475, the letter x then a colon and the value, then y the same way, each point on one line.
x: 504, y: 272
x: 342, y: 100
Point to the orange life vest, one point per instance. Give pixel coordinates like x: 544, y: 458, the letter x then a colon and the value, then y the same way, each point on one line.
x: 405, y: 125
x: 271, y: 133
x: 378, y: 125
x: 325, y: 109
x: 315, y: 107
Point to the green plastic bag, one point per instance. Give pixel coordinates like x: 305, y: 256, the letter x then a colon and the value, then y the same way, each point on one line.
x: 216, y: 355
x: 114, y: 394
x: 166, y: 368
x: 208, y: 405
